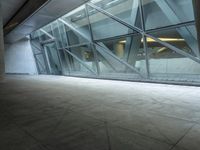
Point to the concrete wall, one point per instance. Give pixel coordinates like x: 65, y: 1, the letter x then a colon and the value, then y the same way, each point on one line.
x: 2, y: 67
x: 19, y: 58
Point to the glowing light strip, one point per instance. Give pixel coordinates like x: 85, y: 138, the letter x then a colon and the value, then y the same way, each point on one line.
x: 150, y: 40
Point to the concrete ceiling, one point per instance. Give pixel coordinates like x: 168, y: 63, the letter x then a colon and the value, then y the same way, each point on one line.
x: 46, y: 14
x: 9, y: 8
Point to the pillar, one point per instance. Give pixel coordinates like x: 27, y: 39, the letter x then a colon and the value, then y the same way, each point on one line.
x: 2, y: 66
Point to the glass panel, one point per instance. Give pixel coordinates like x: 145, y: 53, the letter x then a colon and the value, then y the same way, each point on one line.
x: 53, y: 59
x: 35, y: 35
x: 65, y: 62
x: 169, y: 12
x: 105, y: 27
x: 40, y: 64
x: 128, y: 49
x: 168, y: 65
x: 76, y: 23
x: 43, y: 35
x: 56, y: 34
x: 126, y: 10
x: 87, y: 64
x: 63, y: 33
x: 36, y: 47
x: 119, y: 49
x: 183, y: 38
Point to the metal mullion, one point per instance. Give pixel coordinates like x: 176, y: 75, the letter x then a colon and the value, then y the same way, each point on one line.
x: 63, y: 47
x: 114, y: 17
x: 72, y: 28
x: 35, y: 46
x: 47, y: 41
x: 92, y: 39
x: 37, y: 53
x: 44, y: 56
x: 77, y: 45
x: 190, y: 23
x: 37, y: 65
x: 80, y: 61
x: 146, y: 54
x: 121, y: 61
x: 128, y: 46
x: 56, y: 42
x: 145, y: 46
x: 68, y: 44
x: 179, y: 51
x: 47, y: 59
x: 49, y: 35
x: 117, y: 37
x: 37, y: 60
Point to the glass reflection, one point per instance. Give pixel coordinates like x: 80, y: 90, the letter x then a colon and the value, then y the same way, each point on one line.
x: 91, y: 43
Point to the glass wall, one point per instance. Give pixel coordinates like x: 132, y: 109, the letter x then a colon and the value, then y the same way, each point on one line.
x: 146, y: 40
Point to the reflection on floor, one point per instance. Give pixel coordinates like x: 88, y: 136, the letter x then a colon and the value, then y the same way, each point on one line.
x: 65, y: 113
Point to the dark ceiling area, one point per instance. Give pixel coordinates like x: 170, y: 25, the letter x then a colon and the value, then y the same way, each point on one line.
x: 10, y: 8
x: 30, y: 15
x: 26, y: 10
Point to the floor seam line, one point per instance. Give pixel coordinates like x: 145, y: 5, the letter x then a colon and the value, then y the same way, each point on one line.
x: 180, y: 139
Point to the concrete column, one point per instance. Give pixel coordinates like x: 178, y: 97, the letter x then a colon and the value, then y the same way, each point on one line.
x: 2, y: 66
x: 119, y: 50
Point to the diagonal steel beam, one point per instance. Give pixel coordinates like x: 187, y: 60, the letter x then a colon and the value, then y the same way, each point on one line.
x: 120, y: 60
x: 179, y: 51
x: 112, y: 61
x: 49, y: 35
x: 74, y: 29
x: 35, y: 46
x: 114, y: 17
x: 80, y: 61
x: 174, y: 16
x: 38, y: 61
x: 78, y: 32
x: 132, y: 43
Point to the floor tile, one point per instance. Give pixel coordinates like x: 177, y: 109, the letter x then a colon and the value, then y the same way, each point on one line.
x: 191, y: 140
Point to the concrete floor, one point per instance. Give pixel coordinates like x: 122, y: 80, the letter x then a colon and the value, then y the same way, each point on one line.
x: 64, y: 113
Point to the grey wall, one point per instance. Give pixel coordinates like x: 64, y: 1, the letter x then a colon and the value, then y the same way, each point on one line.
x: 2, y: 68
x: 19, y: 58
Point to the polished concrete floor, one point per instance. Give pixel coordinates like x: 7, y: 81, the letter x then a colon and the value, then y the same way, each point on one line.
x: 64, y: 113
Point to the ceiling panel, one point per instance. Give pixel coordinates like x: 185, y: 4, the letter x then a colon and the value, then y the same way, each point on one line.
x: 24, y: 12
x: 9, y: 8
x: 50, y: 12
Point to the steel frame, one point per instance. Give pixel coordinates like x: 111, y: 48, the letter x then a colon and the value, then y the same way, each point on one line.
x: 142, y: 32
x: 145, y: 33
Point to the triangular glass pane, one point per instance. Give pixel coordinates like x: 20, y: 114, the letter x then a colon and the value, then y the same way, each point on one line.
x: 36, y: 46
x: 127, y: 10
x: 183, y: 38
x: 106, y: 27
x: 166, y: 64
x: 65, y: 62
x: 169, y: 12
x: 56, y: 33
x: 41, y: 64
x: 35, y: 35
x: 128, y: 49
x: 53, y: 58
x: 77, y: 26
x: 46, y: 35
x: 86, y: 55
